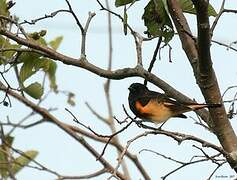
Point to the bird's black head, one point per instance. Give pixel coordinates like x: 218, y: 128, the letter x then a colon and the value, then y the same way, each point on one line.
x: 136, y: 91
x: 137, y: 88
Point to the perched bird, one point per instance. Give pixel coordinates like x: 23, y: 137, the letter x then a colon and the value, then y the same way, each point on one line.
x: 157, y: 107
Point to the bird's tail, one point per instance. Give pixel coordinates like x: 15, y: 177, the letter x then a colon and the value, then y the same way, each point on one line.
x: 200, y: 106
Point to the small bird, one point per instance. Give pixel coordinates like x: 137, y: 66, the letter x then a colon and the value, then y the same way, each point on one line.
x: 157, y: 107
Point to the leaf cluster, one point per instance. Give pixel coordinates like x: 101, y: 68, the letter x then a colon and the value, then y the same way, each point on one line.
x: 156, y: 16
x: 16, y: 163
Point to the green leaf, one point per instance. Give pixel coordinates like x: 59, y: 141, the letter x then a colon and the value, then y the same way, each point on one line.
x: 41, y: 41
x: 3, y: 8
x: 165, y: 6
x: 4, y: 12
x: 9, y: 140
x: 5, y: 44
x: 3, y: 162
x: 8, y: 143
x: 4, y: 155
x: 9, y: 54
x: 23, y: 160
x: 157, y: 20
x: 34, y: 35
x: 3, y: 41
x: 56, y: 42
x: 28, y: 56
x: 43, y: 33
x: 37, y: 35
x: 35, y: 90
x: 211, y: 11
x: 124, y: 2
x: 29, y: 67
x: 52, y: 75
x: 188, y: 7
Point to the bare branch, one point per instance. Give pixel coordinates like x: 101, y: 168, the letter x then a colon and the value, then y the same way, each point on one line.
x: 230, y: 11
x: 120, y: 158
x: 94, y: 174
x: 96, y: 114
x: 112, y: 136
x: 162, y: 155
x: 200, y: 59
x: 217, y: 18
x: 16, y: 23
x: 83, y: 29
x: 132, y: 157
x: 138, y: 38
x: 34, y: 21
x: 154, y: 57
x: 83, y: 41
x: 213, y: 172
x: 110, y: 119
x: 184, y: 164
x: 225, y: 45
x: 46, y: 115
x: 75, y: 16
x: 117, y: 74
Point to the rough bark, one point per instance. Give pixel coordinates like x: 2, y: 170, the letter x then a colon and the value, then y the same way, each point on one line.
x: 199, y: 56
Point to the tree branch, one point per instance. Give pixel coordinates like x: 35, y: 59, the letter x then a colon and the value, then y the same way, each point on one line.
x: 200, y: 59
x: 138, y: 71
x: 204, y: 55
x: 209, y: 86
x: 131, y: 156
x: 110, y: 120
x: 46, y: 115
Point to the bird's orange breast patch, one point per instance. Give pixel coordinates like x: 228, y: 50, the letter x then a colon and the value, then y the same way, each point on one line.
x: 152, y: 107
x: 140, y: 108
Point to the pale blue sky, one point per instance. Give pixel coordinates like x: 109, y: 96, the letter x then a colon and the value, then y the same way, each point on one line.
x: 60, y: 152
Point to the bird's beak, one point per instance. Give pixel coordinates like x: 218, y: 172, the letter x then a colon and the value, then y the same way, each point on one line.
x: 129, y: 88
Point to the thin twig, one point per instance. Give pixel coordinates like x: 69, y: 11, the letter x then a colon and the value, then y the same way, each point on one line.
x: 110, y: 119
x: 154, y: 57
x: 88, y: 176
x: 45, y: 114
x: 75, y: 16
x: 15, y: 23
x: 83, y: 29
x: 225, y: 45
x: 51, y: 15
x: 115, y: 74
x: 103, y: 119
x: 217, y: 18
x: 83, y: 33
x: 120, y: 158
x: 214, y: 171
x: 131, y: 156
x: 113, y: 135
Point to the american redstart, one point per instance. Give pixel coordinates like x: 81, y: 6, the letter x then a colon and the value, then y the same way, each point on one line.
x: 157, y: 107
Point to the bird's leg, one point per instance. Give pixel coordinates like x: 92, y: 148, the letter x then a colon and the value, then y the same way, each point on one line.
x: 139, y: 123
x: 159, y: 128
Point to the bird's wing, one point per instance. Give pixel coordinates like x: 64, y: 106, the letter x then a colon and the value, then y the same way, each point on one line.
x: 175, y: 106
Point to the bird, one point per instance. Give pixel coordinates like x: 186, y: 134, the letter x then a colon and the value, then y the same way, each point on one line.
x: 157, y: 107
